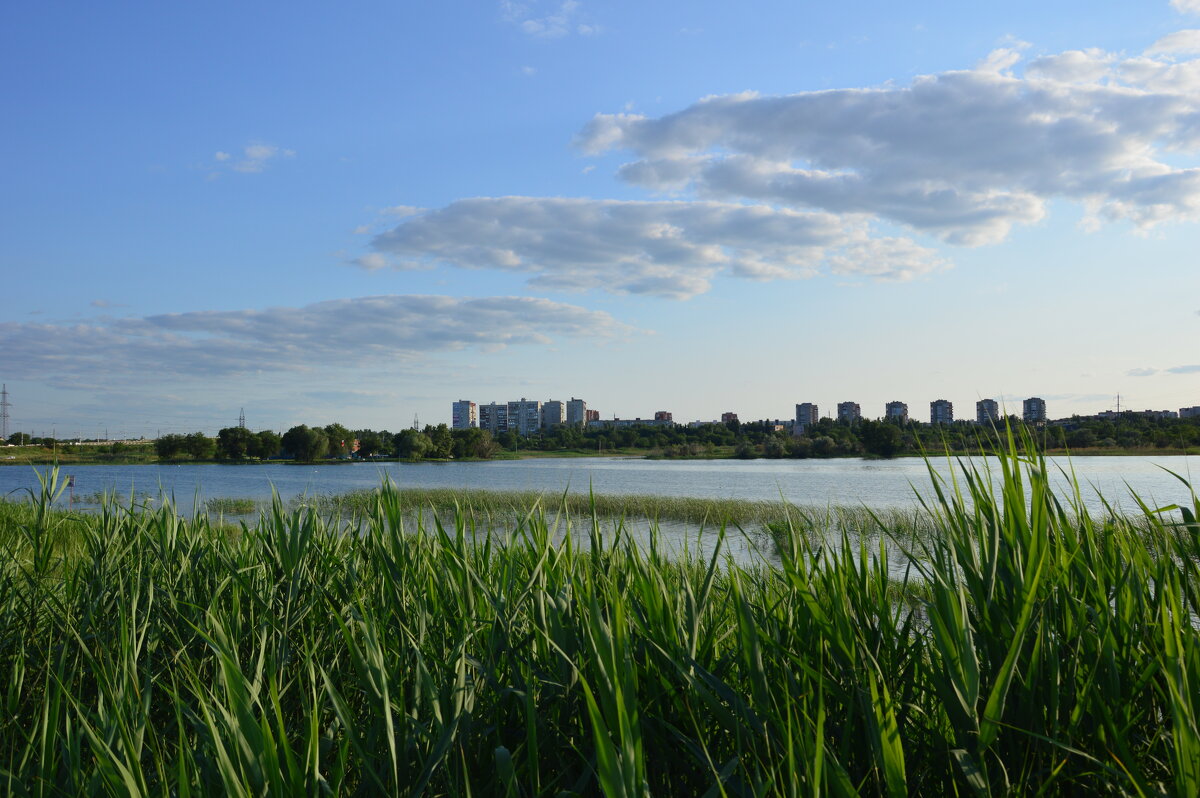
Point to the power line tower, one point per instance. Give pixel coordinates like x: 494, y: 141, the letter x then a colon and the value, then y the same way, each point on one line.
x: 4, y: 405
x: 242, y: 418
x: 416, y: 422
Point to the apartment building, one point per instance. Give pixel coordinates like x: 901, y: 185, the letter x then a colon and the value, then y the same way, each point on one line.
x: 493, y: 417
x: 941, y: 411
x: 849, y: 412
x: 1189, y: 412
x: 525, y: 416
x: 577, y: 414
x: 807, y: 414
x: 1033, y: 410
x: 463, y: 414
x: 554, y: 414
x: 987, y: 411
x: 663, y: 415
x: 728, y: 417
x: 896, y: 412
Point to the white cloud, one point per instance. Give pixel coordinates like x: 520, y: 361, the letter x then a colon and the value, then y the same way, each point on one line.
x: 668, y: 249
x: 547, y: 21
x: 1184, y: 41
x: 1186, y: 6
x: 332, y: 334
x: 963, y: 155
x: 1141, y: 372
x: 255, y: 157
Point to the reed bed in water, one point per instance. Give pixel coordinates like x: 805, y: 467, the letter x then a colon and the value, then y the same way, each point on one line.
x: 1054, y: 654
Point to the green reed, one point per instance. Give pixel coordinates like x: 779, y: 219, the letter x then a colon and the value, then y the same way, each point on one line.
x: 1047, y: 651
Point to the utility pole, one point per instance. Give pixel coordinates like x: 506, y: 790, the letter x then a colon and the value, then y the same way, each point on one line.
x: 4, y: 405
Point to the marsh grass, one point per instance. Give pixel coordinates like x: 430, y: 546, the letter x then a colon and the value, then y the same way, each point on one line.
x: 1053, y: 653
x: 231, y: 506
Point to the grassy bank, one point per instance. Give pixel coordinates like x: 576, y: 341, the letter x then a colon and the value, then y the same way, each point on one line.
x: 80, y: 454
x: 149, y: 654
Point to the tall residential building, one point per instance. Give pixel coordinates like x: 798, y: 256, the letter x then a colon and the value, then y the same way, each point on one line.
x: 663, y: 415
x: 849, y: 411
x: 941, y: 412
x: 896, y: 411
x: 728, y: 417
x: 493, y: 417
x: 463, y: 415
x: 554, y: 413
x: 577, y: 412
x: 525, y: 416
x: 1034, y: 410
x: 806, y: 415
x: 1189, y: 412
x: 592, y: 415
x: 987, y: 411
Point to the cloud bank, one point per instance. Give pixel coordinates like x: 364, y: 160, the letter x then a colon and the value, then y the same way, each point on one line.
x: 961, y: 155
x: 666, y: 249
x: 332, y: 334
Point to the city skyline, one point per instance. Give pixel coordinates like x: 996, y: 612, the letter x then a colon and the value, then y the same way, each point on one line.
x: 349, y: 215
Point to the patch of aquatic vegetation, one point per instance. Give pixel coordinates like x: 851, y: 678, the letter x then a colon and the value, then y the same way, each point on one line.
x: 227, y: 506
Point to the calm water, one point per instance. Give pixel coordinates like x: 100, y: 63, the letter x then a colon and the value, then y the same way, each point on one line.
x: 875, y: 483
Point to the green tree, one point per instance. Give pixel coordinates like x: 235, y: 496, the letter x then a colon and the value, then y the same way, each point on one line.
x: 879, y: 438
x: 412, y: 444
x: 169, y: 447
x: 233, y: 443
x: 370, y: 442
x: 340, y: 440
x: 200, y: 446
x: 305, y: 444
x: 264, y: 445
x: 442, y: 442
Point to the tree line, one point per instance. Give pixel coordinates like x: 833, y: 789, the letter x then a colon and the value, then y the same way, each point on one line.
x: 826, y: 438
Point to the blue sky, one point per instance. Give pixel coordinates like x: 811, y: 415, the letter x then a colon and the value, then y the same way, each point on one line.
x: 361, y: 213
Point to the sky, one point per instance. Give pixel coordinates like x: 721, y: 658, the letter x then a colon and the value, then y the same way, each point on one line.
x: 361, y: 212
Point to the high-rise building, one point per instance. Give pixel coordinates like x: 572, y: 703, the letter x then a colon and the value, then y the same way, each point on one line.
x: 463, y: 415
x: 592, y: 415
x: 493, y: 417
x: 987, y: 411
x: 896, y: 412
x: 663, y: 415
x: 941, y: 412
x: 554, y: 413
x: 1034, y: 410
x: 1189, y: 412
x: 729, y: 417
x: 806, y: 415
x: 849, y: 412
x: 577, y: 412
x: 525, y: 416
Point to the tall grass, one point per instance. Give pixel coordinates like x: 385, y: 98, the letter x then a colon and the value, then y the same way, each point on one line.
x: 1054, y: 653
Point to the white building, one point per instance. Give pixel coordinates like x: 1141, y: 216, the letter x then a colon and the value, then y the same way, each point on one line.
x: 554, y: 413
x: 525, y: 416
x: 463, y: 415
x: 1033, y: 410
x: 493, y: 417
x: 941, y: 412
x: 987, y: 411
x: 849, y: 411
x: 577, y: 412
x: 896, y: 411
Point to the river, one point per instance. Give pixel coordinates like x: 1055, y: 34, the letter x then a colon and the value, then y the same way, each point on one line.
x: 854, y: 482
